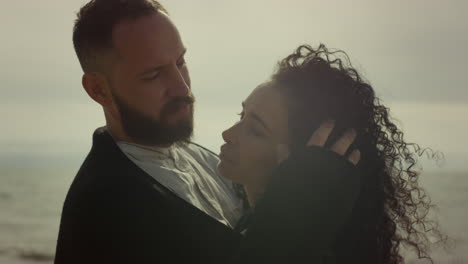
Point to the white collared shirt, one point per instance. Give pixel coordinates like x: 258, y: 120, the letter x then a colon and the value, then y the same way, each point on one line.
x: 191, y: 173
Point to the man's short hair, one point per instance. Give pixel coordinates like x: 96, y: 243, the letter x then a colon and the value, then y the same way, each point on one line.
x: 92, y: 33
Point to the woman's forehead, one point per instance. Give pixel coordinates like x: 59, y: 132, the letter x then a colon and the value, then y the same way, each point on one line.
x: 261, y: 96
x: 267, y: 102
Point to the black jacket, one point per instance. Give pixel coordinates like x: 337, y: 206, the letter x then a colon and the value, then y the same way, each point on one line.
x: 116, y: 213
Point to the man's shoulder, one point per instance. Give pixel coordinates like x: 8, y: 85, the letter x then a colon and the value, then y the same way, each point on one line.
x: 200, y: 152
x: 90, y: 183
x: 96, y: 190
x: 101, y: 177
x: 199, y: 147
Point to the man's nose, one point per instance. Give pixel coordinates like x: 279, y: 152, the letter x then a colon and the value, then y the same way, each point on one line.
x: 179, y: 85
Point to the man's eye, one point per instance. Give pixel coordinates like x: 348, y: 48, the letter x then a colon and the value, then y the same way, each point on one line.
x: 241, y: 114
x: 181, y: 62
x: 151, y: 77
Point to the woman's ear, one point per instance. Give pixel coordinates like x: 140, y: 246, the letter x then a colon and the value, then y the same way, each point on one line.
x: 282, y: 153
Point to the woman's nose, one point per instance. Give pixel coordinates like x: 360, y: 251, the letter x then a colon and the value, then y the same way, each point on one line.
x: 228, y: 135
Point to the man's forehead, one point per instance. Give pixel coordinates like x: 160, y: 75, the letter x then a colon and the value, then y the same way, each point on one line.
x: 153, y: 21
x: 152, y: 39
x: 155, y: 31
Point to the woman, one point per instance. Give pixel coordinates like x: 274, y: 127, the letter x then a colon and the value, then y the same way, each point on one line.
x: 309, y: 87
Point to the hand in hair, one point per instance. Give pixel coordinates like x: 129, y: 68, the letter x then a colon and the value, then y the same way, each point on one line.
x: 320, y: 137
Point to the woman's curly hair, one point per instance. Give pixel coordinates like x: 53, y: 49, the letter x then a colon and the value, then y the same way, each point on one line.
x: 392, y: 209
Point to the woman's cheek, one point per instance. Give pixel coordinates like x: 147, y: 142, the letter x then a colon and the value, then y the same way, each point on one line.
x: 259, y: 161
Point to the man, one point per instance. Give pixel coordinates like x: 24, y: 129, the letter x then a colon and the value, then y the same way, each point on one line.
x: 145, y: 193
x: 142, y: 176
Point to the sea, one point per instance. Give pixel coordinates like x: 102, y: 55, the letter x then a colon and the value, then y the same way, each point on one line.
x: 31, y: 202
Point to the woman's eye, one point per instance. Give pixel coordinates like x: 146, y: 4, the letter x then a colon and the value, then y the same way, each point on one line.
x: 255, y: 132
x: 250, y: 128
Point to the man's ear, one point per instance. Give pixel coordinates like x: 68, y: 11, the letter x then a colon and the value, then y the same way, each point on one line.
x: 97, y: 87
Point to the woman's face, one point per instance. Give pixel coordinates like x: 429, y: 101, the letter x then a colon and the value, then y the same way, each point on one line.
x: 250, y: 152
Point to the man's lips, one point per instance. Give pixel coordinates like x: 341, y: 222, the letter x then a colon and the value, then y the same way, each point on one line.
x: 184, y: 108
x: 177, y: 106
x: 179, y: 109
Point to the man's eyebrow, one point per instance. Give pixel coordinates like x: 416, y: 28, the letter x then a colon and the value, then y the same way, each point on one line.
x: 183, y: 53
x: 257, y: 118
x: 158, y: 68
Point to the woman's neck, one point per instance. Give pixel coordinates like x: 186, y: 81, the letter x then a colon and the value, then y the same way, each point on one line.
x: 253, y: 193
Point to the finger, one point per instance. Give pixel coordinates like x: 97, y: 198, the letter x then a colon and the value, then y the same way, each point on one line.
x: 282, y: 152
x: 343, y: 143
x: 354, y: 157
x: 320, y: 136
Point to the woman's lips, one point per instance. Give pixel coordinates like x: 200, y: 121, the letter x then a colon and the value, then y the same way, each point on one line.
x: 224, y: 156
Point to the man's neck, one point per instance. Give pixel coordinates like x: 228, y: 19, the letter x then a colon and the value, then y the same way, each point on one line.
x: 119, y: 135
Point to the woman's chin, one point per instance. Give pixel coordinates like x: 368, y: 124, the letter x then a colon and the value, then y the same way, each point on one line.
x: 225, y: 170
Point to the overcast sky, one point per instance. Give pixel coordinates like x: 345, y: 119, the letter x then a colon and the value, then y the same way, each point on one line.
x: 413, y: 53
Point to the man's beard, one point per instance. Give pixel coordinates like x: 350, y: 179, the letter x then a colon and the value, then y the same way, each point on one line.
x: 145, y: 130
